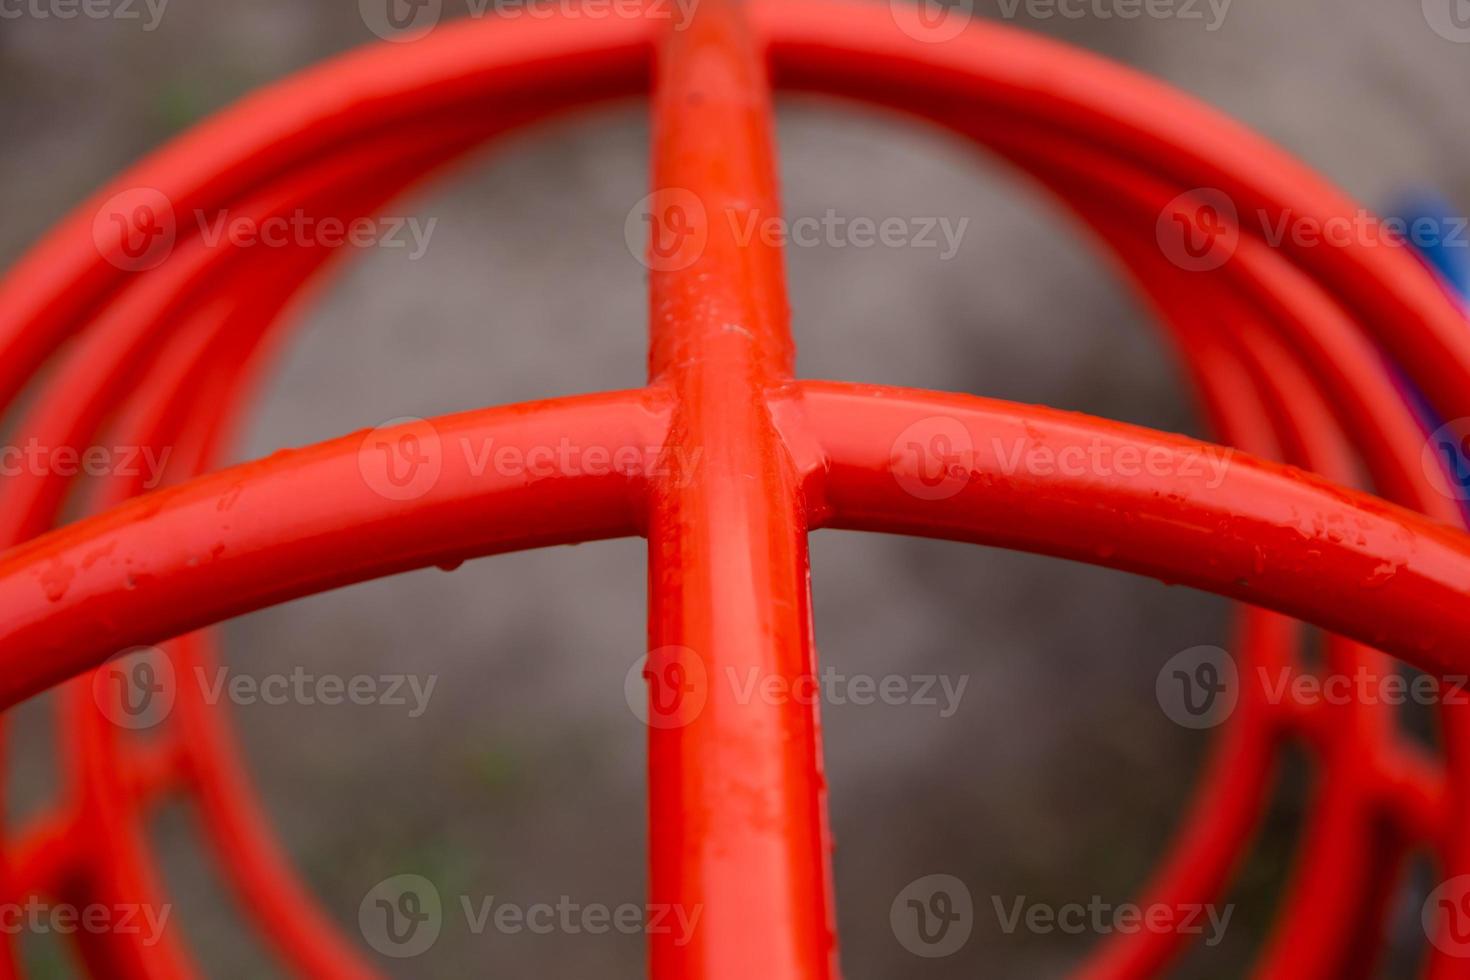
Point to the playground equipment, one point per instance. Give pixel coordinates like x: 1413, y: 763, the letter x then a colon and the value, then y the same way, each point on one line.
x: 153, y: 337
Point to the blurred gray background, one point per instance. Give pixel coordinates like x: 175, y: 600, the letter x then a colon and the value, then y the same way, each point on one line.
x: 1059, y: 778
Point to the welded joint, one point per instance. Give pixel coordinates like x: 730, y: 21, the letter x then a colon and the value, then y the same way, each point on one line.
x: 805, y: 452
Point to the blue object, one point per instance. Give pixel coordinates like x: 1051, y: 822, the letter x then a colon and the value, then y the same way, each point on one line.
x: 1438, y: 233
x: 1445, y: 239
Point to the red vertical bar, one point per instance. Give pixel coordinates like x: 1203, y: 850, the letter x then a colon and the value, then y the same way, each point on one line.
x: 738, y: 817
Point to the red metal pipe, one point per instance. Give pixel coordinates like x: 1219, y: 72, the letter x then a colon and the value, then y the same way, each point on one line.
x: 1195, y: 306
x: 733, y: 555
x: 1237, y: 526
x: 736, y: 794
x: 312, y: 519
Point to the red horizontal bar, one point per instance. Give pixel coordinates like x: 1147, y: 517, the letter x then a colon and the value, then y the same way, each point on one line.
x: 1256, y: 531
x: 307, y: 520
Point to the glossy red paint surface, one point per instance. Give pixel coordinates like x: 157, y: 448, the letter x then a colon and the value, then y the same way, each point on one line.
x: 1280, y: 342
x: 737, y: 822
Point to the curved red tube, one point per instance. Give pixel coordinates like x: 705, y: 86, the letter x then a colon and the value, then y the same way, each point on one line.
x: 728, y: 558
x: 302, y: 521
